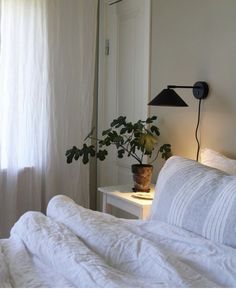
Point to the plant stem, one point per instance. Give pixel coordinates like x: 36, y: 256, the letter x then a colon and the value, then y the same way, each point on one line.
x: 142, y: 157
x: 94, y: 138
x: 133, y: 155
x: 155, y: 157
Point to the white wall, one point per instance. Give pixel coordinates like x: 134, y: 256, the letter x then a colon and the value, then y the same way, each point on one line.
x: 195, y: 40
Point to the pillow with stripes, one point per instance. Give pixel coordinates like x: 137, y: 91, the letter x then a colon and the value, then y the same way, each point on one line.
x: 197, y: 198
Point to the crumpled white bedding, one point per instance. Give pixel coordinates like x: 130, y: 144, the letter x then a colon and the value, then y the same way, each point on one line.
x: 76, y: 247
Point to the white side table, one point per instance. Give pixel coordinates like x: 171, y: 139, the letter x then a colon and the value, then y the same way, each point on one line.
x: 120, y: 197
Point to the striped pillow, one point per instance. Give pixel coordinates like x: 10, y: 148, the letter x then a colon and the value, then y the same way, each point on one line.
x: 197, y: 198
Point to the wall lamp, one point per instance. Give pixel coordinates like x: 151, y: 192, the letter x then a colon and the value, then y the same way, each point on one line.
x: 168, y: 97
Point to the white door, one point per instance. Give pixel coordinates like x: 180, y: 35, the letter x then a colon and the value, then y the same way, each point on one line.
x: 123, y: 75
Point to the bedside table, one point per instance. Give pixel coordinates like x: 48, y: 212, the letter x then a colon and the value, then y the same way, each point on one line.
x: 120, y: 197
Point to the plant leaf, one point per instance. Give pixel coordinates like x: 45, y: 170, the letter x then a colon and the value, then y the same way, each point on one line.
x: 105, y: 132
x: 147, y: 141
x: 118, y: 122
x: 71, y: 153
x: 121, y: 153
x: 165, y: 149
x: 123, y: 130
x: 101, y: 154
x: 155, y: 130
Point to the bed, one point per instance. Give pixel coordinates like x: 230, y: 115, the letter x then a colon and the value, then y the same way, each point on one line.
x: 184, y: 243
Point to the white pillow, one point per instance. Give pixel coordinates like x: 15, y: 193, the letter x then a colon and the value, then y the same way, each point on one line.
x: 197, y: 198
x: 217, y: 160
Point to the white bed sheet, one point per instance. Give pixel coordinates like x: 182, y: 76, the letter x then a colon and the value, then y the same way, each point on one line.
x: 89, y: 249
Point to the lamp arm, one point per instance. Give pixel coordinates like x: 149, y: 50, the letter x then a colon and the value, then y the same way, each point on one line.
x: 200, y: 89
x: 182, y: 87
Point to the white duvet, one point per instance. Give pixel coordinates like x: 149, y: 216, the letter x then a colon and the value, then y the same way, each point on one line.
x: 76, y: 247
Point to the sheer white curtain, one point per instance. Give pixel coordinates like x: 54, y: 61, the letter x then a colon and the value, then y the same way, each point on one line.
x: 47, y: 62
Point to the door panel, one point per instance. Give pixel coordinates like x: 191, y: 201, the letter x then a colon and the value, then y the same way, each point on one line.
x: 125, y: 88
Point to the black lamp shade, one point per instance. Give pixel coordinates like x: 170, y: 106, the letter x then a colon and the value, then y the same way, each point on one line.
x: 168, y: 97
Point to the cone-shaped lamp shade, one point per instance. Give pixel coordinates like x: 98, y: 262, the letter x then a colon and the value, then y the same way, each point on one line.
x: 168, y: 97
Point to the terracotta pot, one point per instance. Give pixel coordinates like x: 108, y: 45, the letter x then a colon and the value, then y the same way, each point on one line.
x: 142, y: 175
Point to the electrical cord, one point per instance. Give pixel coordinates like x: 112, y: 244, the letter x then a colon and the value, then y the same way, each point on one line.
x: 197, y: 127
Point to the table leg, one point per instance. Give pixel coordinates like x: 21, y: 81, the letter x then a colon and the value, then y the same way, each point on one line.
x: 144, y: 213
x: 107, y: 208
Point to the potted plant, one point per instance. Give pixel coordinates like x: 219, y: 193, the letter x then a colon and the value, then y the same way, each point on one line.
x: 134, y: 140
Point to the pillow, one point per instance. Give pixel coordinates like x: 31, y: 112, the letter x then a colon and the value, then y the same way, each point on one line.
x: 215, y: 159
x: 197, y: 198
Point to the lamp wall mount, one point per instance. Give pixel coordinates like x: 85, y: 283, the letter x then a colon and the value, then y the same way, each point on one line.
x: 200, y: 90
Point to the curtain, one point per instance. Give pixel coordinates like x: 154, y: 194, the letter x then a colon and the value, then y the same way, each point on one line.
x: 47, y: 64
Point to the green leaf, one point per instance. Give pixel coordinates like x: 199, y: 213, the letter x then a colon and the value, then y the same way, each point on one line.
x: 123, y: 130
x: 107, y: 141
x: 155, y: 130
x: 91, y: 150
x: 101, y: 154
x: 129, y: 127
x: 119, y: 140
x: 85, y: 154
x: 138, y: 126
x: 118, y: 122
x: 77, y: 155
x: 121, y: 153
x: 85, y: 158
x: 149, y: 121
x: 71, y: 153
x: 68, y: 152
x: 112, y: 135
x: 105, y: 132
x: 165, y: 149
